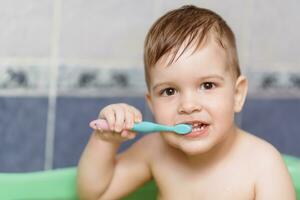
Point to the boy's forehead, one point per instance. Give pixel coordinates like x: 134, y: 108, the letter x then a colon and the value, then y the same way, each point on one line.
x: 208, y: 60
x: 209, y: 54
x: 184, y: 50
x: 187, y: 50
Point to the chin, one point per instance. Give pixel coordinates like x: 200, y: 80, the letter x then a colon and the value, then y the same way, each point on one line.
x: 195, y: 149
x: 189, y: 147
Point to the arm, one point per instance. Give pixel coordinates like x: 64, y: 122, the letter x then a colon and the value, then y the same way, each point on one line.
x: 274, y: 181
x: 102, y: 174
x: 95, y: 169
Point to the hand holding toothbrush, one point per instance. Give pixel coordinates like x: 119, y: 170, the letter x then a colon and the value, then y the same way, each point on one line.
x: 127, y: 129
x: 116, y: 121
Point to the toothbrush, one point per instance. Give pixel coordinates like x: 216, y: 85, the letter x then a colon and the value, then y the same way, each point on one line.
x: 146, y: 127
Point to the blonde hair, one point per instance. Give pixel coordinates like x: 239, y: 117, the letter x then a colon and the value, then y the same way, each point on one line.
x: 186, y: 26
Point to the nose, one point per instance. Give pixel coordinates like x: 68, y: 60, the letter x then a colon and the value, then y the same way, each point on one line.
x: 189, y: 104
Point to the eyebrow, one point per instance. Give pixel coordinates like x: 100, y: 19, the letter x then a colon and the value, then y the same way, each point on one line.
x: 214, y: 76
x: 160, y: 84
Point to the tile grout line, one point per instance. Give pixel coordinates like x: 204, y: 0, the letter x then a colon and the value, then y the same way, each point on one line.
x: 245, y: 54
x: 52, y: 95
x: 245, y: 39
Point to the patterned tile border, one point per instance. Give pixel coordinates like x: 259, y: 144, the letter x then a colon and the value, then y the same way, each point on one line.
x: 24, y: 80
x: 100, y: 81
x: 275, y: 83
x: 88, y: 81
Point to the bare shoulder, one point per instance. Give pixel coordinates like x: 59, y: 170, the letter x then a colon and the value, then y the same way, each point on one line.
x: 261, y: 153
x: 272, y: 180
x: 260, y: 150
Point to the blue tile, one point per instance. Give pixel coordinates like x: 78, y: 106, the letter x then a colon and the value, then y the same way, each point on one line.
x: 72, y: 130
x: 275, y: 120
x: 22, y: 135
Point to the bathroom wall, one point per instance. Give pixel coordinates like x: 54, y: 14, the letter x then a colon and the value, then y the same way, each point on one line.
x: 62, y: 60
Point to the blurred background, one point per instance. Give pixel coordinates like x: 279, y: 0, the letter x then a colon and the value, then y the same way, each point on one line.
x: 62, y: 60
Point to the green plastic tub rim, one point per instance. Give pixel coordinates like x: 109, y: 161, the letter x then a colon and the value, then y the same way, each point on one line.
x: 60, y: 184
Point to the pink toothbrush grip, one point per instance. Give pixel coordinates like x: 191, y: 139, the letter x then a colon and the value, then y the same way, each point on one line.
x: 99, y: 123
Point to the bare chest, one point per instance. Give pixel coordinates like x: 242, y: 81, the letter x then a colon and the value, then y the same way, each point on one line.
x: 223, y: 184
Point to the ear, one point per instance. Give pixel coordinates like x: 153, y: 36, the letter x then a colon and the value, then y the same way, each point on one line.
x: 149, y: 101
x: 241, y: 88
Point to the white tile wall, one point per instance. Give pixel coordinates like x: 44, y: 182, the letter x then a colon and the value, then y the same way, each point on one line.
x: 274, y: 34
x: 25, y: 28
x: 110, y: 35
x: 105, y: 30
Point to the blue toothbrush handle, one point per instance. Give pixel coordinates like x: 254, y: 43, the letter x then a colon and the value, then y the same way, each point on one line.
x: 147, y: 127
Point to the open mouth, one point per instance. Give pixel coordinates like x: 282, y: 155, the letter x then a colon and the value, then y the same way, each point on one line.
x: 198, y: 126
x: 198, y: 129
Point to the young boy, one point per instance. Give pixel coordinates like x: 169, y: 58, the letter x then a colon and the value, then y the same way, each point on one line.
x: 193, y: 77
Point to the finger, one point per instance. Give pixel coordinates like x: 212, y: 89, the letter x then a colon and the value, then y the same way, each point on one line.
x: 129, y: 119
x: 109, y: 116
x: 131, y: 135
x: 128, y: 134
x: 137, y: 114
x: 124, y: 133
x: 105, y: 110
x: 120, y: 117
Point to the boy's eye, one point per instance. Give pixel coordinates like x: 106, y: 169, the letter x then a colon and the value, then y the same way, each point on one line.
x: 168, y: 91
x: 207, y: 85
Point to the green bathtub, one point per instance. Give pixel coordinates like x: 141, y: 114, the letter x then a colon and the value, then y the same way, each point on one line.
x: 60, y: 184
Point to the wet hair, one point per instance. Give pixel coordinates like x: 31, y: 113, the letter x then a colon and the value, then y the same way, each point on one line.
x: 185, y: 27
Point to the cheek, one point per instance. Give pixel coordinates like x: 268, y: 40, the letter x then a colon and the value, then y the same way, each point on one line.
x: 171, y: 139
x: 222, y: 107
x: 162, y: 112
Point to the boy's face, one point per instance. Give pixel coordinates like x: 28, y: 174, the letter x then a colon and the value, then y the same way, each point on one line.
x: 198, y: 89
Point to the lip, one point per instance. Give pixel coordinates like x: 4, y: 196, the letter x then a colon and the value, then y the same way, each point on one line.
x: 193, y: 122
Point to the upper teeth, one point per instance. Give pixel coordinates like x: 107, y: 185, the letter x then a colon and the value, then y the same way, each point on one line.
x: 198, y: 126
